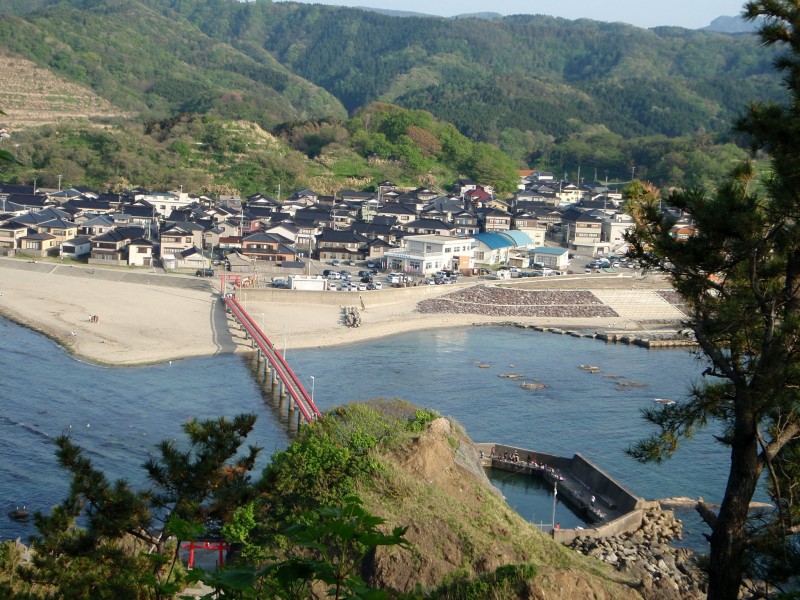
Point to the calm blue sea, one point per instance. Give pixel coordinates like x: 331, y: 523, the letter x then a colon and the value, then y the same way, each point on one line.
x: 118, y: 414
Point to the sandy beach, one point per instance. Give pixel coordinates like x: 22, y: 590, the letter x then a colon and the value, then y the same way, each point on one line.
x: 145, y: 318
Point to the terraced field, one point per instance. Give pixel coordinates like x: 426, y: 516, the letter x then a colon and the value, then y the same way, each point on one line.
x: 31, y: 95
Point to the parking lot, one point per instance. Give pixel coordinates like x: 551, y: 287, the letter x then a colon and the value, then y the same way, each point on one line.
x: 365, y: 276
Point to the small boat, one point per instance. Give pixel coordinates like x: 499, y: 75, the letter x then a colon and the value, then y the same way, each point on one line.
x: 589, y: 368
x: 19, y: 514
x: 664, y: 401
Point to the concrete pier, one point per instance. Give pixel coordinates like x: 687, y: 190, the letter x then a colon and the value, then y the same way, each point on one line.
x: 615, y: 509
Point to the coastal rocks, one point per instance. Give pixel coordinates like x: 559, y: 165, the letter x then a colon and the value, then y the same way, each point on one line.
x: 645, y: 556
x: 531, y: 385
x: 502, y: 302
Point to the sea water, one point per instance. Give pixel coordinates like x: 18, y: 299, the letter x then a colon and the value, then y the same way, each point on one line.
x: 119, y: 414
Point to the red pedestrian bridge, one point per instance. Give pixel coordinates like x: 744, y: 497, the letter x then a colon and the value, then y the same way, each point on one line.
x: 275, y: 365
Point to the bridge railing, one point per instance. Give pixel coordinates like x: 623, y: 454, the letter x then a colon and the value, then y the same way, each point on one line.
x: 293, y: 385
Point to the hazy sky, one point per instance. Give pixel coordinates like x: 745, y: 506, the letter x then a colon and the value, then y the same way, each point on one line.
x: 692, y: 14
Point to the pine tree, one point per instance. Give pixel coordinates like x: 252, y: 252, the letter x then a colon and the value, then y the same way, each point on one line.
x: 107, y: 540
x: 740, y: 277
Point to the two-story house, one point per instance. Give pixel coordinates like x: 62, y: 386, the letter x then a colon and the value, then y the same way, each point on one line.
x: 11, y: 233
x: 423, y: 255
x: 269, y: 247
x: 342, y: 245
x: 175, y: 240
x: 111, y: 247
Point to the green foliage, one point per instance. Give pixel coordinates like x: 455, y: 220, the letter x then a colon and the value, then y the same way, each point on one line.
x: 527, y: 84
x: 422, y: 418
x: 740, y: 276
x: 507, y: 581
x: 123, y: 546
x: 327, y: 548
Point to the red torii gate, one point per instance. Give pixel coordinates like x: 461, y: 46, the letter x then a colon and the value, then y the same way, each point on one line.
x: 218, y: 545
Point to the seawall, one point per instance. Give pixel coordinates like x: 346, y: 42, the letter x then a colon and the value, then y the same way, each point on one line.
x: 615, y: 510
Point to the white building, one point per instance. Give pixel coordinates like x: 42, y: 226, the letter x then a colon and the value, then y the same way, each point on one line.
x: 614, y: 230
x: 423, y: 255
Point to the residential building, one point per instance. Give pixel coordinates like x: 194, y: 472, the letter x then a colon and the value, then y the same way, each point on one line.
x: 268, y: 247
x: 343, y: 245
x: 423, y: 255
x: 553, y: 258
x: 140, y: 253
x: 77, y: 247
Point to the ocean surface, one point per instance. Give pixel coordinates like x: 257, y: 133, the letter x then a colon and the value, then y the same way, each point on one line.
x: 119, y: 414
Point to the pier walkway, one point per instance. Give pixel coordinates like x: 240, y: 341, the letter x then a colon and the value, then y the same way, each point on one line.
x: 290, y: 384
x: 614, y: 510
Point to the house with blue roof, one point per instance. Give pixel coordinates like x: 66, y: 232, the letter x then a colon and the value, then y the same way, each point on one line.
x: 502, y: 248
x: 553, y: 258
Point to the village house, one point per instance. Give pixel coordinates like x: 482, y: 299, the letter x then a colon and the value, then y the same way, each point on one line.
x: 465, y: 223
x: 61, y: 229
x: 268, y: 247
x: 140, y: 253
x: 11, y: 233
x: 583, y: 233
x: 111, y: 247
x: 427, y: 227
x: 342, y: 245
x: 401, y: 212
x: 76, y: 247
x: 492, y: 219
x: 423, y: 255
x: 39, y: 244
x: 190, y: 259
x: 614, y: 229
x: 174, y: 241
x: 96, y: 225
x: 552, y: 258
x: 163, y: 202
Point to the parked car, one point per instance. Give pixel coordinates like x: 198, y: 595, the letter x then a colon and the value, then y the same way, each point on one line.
x: 362, y: 287
x: 351, y: 263
x: 332, y: 287
x: 371, y: 265
x: 335, y: 263
x: 204, y: 273
x: 371, y: 286
x: 378, y: 285
x: 366, y: 279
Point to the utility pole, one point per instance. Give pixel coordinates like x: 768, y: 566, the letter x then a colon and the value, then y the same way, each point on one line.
x: 59, y: 183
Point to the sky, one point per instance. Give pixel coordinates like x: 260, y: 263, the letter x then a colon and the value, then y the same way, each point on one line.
x: 692, y: 14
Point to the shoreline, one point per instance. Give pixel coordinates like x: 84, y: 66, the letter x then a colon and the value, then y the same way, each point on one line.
x: 150, y: 318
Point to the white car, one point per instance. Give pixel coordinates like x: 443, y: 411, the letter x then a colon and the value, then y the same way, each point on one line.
x: 378, y: 285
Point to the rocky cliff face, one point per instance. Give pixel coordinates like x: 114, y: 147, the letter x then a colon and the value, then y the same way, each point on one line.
x: 461, y: 527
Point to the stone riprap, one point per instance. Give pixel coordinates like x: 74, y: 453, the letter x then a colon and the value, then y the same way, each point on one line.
x: 644, y: 555
x: 503, y: 302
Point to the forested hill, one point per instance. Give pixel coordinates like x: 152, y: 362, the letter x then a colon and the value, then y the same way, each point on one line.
x: 547, y: 91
